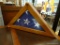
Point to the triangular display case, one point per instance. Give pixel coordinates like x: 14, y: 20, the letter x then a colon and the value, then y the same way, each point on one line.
x: 22, y: 15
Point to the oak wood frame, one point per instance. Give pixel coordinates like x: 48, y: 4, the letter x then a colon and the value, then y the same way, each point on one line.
x: 48, y: 30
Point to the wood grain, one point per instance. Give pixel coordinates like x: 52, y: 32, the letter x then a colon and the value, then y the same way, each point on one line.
x: 30, y: 30
x: 14, y: 37
x: 9, y: 12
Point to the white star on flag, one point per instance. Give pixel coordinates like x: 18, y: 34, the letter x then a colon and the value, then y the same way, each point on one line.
x: 26, y: 21
x: 27, y: 12
x: 37, y: 25
x: 18, y: 20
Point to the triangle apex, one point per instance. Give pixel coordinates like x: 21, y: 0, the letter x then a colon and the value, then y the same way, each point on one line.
x: 27, y: 3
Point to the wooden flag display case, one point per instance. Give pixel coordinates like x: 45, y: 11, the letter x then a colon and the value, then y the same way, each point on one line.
x: 34, y: 14
x: 23, y: 21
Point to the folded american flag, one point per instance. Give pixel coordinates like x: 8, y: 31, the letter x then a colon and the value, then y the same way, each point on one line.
x: 27, y: 20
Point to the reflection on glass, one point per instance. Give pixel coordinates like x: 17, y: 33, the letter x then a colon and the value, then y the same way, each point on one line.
x: 47, y: 8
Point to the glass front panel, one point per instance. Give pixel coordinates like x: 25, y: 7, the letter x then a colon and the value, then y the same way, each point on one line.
x: 27, y: 20
x: 47, y: 8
